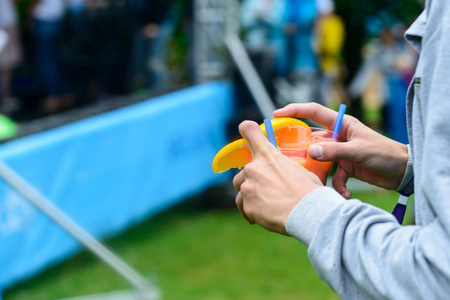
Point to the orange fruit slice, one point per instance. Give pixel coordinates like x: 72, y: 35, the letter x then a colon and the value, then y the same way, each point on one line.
x: 237, y: 153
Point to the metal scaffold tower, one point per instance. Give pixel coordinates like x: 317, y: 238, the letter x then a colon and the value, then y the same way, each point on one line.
x: 212, y: 20
x: 216, y: 31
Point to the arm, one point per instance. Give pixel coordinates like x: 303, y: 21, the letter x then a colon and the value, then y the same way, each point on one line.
x: 362, y: 252
x: 359, y: 250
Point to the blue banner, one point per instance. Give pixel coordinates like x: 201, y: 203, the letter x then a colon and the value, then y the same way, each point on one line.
x: 109, y: 172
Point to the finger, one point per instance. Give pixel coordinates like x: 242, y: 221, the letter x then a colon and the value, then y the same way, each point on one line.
x: 313, y: 111
x: 256, y: 140
x: 340, y: 182
x: 238, y: 180
x: 240, y: 205
x: 333, y: 151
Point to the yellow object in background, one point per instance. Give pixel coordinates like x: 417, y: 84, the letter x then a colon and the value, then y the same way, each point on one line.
x: 330, y: 39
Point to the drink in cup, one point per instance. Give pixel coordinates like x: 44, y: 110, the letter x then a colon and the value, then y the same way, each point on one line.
x: 294, y: 141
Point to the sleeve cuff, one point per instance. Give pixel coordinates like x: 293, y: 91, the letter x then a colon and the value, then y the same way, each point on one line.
x: 406, y: 187
x: 305, y: 218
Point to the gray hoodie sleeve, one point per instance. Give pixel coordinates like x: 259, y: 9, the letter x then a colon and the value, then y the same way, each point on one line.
x: 361, y: 251
x: 406, y: 187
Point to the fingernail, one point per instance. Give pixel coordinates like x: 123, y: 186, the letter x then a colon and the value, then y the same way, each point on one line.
x: 346, y: 194
x: 315, y: 151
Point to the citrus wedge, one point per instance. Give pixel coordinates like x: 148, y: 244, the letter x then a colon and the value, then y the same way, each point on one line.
x: 237, y: 153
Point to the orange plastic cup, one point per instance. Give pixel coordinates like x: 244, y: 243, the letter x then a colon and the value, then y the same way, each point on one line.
x: 294, y: 142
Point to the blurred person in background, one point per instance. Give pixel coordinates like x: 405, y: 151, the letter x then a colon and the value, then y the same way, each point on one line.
x: 11, y: 55
x: 78, y: 59
x: 103, y: 47
x: 330, y: 35
x: 47, y: 20
x: 361, y: 251
x: 302, y: 61
x: 153, y: 27
x: 379, y: 80
x: 263, y: 24
x: 401, y: 73
x: 75, y: 9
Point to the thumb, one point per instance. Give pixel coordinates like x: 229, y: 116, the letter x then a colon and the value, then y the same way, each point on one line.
x: 256, y: 140
x: 332, y: 151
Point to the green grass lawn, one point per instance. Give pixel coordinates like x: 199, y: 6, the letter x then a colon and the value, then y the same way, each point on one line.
x: 196, y: 253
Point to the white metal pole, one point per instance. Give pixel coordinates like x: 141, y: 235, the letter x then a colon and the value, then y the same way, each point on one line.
x: 248, y: 72
x: 198, y: 53
x: 3, y: 39
x: 41, y: 202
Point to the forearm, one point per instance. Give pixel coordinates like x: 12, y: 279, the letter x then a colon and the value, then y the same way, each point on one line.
x: 362, y: 252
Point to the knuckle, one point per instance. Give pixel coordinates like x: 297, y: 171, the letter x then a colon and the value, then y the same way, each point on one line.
x: 237, y: 200
x: 236, y: 182
x: 335, y: 151
x: 330, y: 151
x: 273, y: 160
x: 249, y: 169
x: 315, y: 105
x: 246, y: 188
x: 351, y: 120
x: 316, y: 110
x: 292, y: 107
x: 266, y: 156
x: 269, y: 153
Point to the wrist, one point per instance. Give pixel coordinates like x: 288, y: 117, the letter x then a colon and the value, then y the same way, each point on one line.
x: 402, y: 165
x: 289, y: 207
x: 305, y: 218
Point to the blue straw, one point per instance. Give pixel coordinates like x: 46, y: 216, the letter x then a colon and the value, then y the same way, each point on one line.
x: 269, y: 131
x: 337, y: 125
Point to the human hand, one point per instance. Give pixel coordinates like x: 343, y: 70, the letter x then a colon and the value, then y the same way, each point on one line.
x: 271, y: 185
x: 362, y: 152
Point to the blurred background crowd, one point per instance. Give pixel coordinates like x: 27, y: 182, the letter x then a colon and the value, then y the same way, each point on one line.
x: 67, y: 53
x: 63, y: 54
